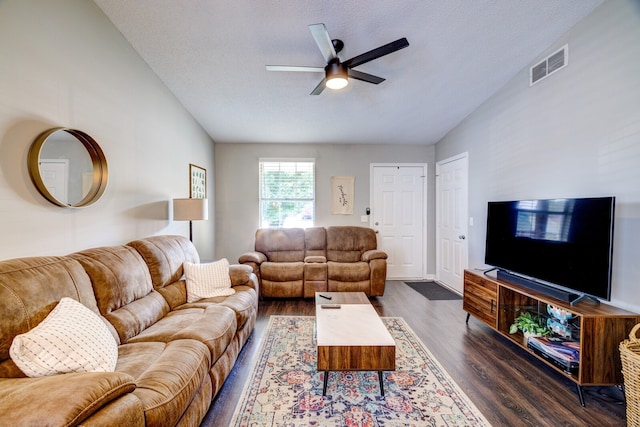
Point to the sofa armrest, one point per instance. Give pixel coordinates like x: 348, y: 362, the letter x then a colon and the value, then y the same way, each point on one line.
x: 66, y: 399
x: 240, y: 274
x: 315, y: 259
x: 255, y: 257
x: 373, y: 254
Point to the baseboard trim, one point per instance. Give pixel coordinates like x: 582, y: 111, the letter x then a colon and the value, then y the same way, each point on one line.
x: 427, y: 278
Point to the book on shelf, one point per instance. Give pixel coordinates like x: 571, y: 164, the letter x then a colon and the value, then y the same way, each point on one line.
x: 562, y: 352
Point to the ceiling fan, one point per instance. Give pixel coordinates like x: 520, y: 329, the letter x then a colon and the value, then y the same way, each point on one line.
x: 337, y: 72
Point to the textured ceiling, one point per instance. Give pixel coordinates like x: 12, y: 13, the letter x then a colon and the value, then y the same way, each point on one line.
x: 212, y: 54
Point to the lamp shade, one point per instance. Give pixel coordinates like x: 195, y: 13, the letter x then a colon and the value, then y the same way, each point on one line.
x: 190, y: 209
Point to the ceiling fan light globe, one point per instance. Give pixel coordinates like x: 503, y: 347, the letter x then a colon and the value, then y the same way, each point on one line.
x: 336, y: 75
x: 337, y: 82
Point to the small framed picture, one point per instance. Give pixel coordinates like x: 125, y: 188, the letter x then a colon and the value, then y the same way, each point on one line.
x: 198, y: 182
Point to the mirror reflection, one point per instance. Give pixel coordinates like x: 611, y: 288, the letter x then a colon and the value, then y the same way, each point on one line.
x: 68, y: 167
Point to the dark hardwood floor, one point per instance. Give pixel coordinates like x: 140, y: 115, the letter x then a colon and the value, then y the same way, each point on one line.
x: 508, y: 385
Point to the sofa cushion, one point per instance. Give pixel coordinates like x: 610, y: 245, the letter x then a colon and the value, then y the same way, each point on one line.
x: 165, y: 257
x: 315, y: 242
x: 213, y: 325
x: 71, y: 338
x: 244, y: 303
x: 119, y: 275
x: 65, y: 400
x: 135, y: 317
x: 207, y: 280
x: 27, y: 297
x: 167, y: 376
x: 123, y: 289
x: 348, y: 243
x: 315, y: 272
x: 282, y: 271
x: 281, y: 244
x: 348, y: 271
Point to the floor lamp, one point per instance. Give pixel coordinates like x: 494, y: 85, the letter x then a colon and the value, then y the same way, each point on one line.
x: 190, y: 210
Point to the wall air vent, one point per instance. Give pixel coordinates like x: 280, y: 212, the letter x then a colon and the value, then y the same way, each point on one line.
x: 549, y: 65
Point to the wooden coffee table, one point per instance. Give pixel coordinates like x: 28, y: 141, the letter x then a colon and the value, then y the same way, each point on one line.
x: 352, y: 337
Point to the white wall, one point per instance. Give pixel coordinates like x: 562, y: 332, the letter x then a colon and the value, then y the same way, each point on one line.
x: 62, y: 63
x: 575, y: 134
x: 237, y: 207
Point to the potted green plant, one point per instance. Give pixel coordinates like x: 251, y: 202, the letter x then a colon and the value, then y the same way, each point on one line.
x: 529, y: 324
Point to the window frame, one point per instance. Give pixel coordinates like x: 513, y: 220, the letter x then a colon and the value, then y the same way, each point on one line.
x: 262, y: 218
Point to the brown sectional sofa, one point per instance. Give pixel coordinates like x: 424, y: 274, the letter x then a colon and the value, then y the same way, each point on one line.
x: 296, y: 262
x: 173, y: 356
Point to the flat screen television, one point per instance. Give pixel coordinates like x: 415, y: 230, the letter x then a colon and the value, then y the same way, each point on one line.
x: 562, y: 244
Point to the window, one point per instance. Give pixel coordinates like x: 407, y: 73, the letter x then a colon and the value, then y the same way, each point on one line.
x: 287, y: 193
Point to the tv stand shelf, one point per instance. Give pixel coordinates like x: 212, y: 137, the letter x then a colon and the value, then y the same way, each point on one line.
x: 597, y: 329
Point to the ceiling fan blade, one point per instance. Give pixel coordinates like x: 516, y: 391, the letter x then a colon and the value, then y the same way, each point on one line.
x: 294, y: 68
x: 321, y: 36
x: 377, y: 53
x: 318, y: 90
x: 369, y: 78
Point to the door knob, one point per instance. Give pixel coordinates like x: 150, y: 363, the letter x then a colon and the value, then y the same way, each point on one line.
x: 462, y: 237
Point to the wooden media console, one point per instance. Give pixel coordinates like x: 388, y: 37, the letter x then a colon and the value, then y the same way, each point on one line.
x: 596, y: 329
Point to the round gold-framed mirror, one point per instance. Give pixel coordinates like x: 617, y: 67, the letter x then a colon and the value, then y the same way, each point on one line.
x: 68, y: 167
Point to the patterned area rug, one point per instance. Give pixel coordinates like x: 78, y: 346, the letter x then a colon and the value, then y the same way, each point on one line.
x: 285, y: 389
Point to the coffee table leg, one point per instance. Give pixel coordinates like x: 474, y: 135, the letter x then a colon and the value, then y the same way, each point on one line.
x: 381, y: 384
x: 324, y: 387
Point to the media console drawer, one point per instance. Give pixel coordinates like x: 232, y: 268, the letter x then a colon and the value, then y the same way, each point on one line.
x: 480, y: 298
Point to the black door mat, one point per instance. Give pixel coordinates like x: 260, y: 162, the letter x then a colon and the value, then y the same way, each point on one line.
x: 433, y: 291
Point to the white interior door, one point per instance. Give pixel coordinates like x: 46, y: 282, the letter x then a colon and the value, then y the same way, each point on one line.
x: 398, y: 198
x: 54, y: 173
x: 451, y: 221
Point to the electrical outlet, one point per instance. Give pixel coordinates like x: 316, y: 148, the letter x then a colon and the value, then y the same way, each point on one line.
x: 364, y: 218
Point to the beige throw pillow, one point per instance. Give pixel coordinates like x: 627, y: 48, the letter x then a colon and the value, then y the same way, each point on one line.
x: 71, y: 338
x: 207, y: 280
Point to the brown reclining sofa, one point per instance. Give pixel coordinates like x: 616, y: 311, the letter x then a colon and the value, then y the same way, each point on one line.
x: 296, y: 262
x: 172, y: 356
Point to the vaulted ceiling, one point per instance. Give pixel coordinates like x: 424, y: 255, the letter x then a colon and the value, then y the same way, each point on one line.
x: 212, y: 54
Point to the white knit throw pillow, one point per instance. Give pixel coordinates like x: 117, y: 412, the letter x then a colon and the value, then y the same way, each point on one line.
x: 207, y: 280
x: 71, y: 338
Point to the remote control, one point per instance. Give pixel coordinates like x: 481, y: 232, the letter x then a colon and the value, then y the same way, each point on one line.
x: 325, y: 296
x: 330, y: 305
